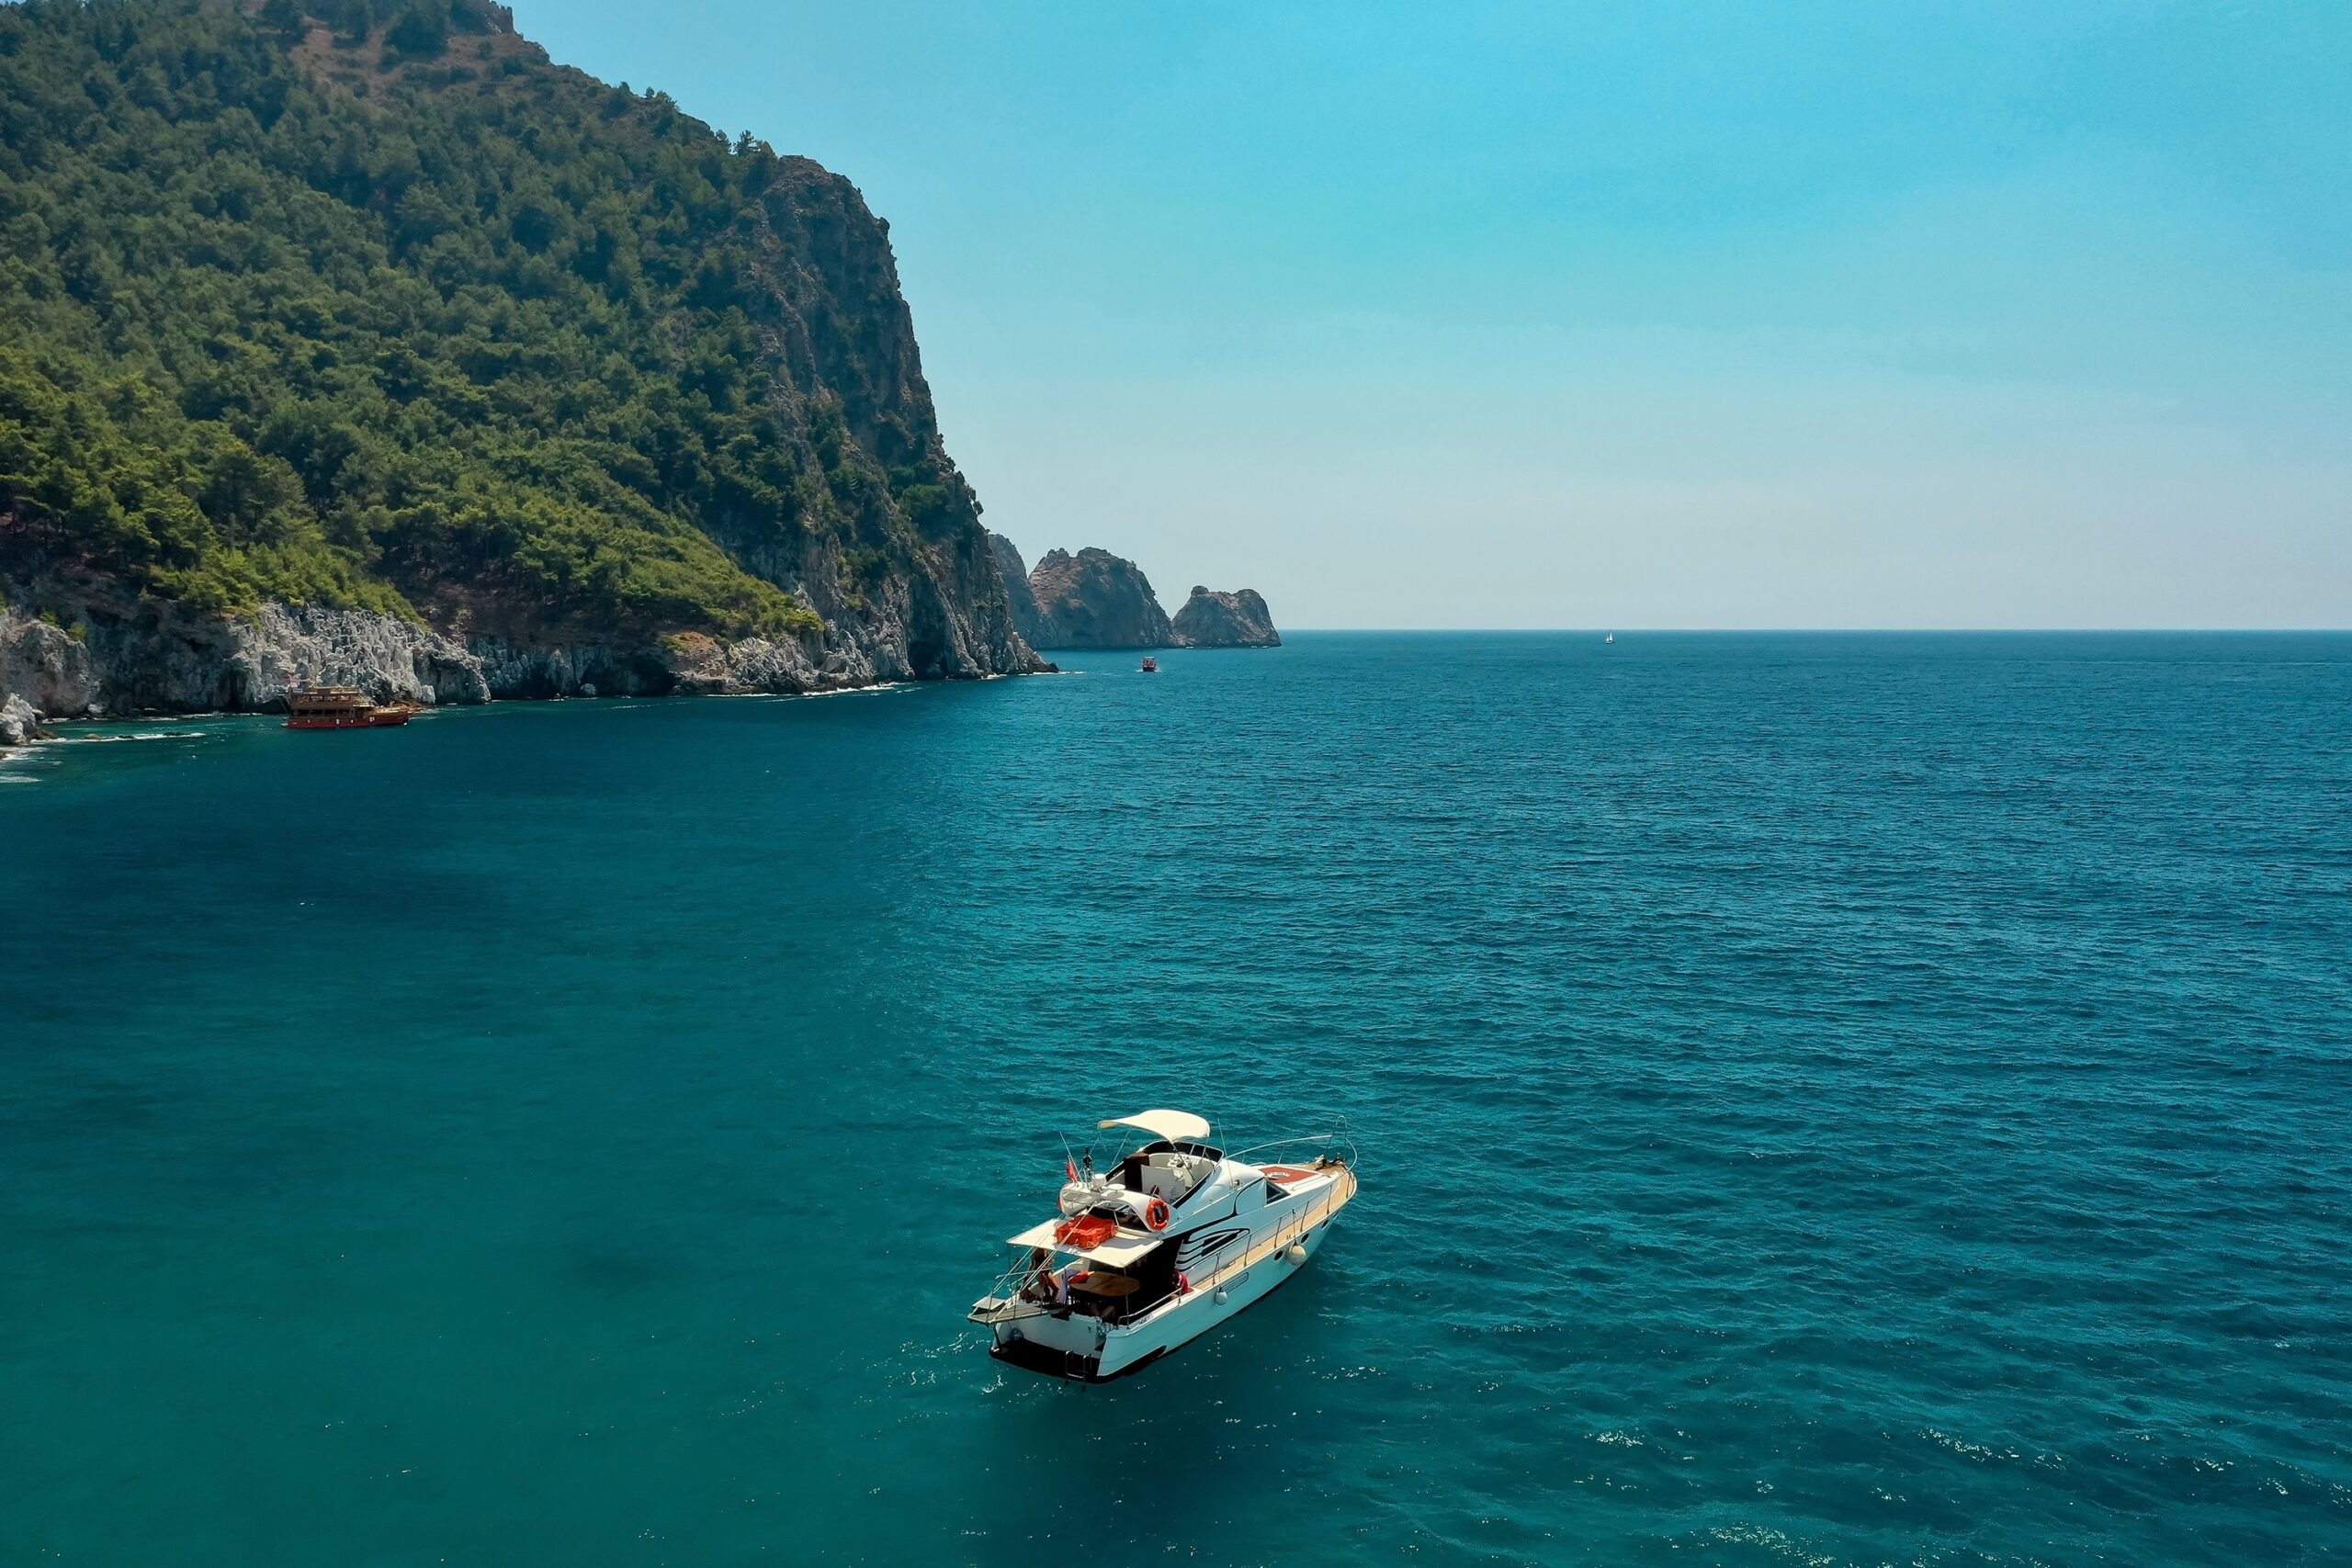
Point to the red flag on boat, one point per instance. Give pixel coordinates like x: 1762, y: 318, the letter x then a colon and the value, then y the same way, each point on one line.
x: 1070, y: 1168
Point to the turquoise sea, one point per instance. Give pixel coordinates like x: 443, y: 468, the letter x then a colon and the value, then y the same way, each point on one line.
x: 1824, y: 1099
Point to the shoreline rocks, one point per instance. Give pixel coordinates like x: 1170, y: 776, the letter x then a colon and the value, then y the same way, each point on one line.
x: 76, y: 647
x: 91, y: 656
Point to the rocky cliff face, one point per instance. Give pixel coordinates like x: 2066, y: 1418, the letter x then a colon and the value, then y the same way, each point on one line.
x: 896, y: 565
x: 907, y: 582
x: 1225, y: 620
x: 83, y: 650
x: 1095, y: 599
x: 105, y: 654
x: 1009, y: 567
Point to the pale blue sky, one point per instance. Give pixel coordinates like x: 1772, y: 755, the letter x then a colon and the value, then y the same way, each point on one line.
x: 1703, y: 314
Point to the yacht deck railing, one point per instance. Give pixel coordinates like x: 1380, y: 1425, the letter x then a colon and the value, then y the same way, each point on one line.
x: 1305, y: 1214
x: 1292, y: 1227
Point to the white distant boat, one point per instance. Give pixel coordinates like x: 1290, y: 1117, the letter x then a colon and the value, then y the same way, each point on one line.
x: 1610, y: 638
x: 1171, y: 1240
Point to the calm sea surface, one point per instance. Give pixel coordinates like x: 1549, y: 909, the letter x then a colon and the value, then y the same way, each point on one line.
x: 1824, y: 1099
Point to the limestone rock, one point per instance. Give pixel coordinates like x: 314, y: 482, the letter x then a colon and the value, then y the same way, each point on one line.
x: 913, y: 592
x: 391, y: 659
x: 1225, y: 620
x: 1095, y: 599
x: 99, y: 650
x: 705, y: 666
x: 1016, y: 588
x: 18, y: 721
x: 108, y: 654
x: 43, y: 668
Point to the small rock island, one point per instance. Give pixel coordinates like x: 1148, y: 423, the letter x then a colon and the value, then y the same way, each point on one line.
x: 1093, y: 599
x: 1210, y: 619
x: 1097, y: 599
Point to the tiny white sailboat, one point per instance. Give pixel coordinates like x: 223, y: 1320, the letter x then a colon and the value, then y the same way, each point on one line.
x: 1174, y: 1238
x: 1610, y: 638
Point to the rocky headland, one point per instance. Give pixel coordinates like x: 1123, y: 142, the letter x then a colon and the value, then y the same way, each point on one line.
x: 672, y: 434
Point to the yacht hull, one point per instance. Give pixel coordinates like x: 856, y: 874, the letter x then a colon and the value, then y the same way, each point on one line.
x: 1087, y: 1349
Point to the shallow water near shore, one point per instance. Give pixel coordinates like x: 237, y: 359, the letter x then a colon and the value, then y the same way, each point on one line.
x: 1824, y: 1099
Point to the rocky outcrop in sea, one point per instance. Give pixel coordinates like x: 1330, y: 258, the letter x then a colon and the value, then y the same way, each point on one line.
x: 1095, y: 599
x: 1225, y: 620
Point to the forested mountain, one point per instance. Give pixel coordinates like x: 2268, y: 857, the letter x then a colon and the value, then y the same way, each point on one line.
x: 372, y: 307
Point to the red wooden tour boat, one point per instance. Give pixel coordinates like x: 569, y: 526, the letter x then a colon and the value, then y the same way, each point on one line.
x: 341, y: 707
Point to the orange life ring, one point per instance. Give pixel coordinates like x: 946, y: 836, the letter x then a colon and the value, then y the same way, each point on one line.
x: 1155, y: 1213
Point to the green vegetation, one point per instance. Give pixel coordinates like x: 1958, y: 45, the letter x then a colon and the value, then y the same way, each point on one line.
x: 476, y: 336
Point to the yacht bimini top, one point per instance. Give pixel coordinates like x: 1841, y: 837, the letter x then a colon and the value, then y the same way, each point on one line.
x: 1176, y: 1126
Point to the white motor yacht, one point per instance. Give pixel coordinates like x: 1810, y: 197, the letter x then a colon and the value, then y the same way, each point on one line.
x: 1172, y: 1238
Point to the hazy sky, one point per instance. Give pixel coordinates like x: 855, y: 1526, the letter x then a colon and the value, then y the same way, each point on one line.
x: 1694, y: 314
